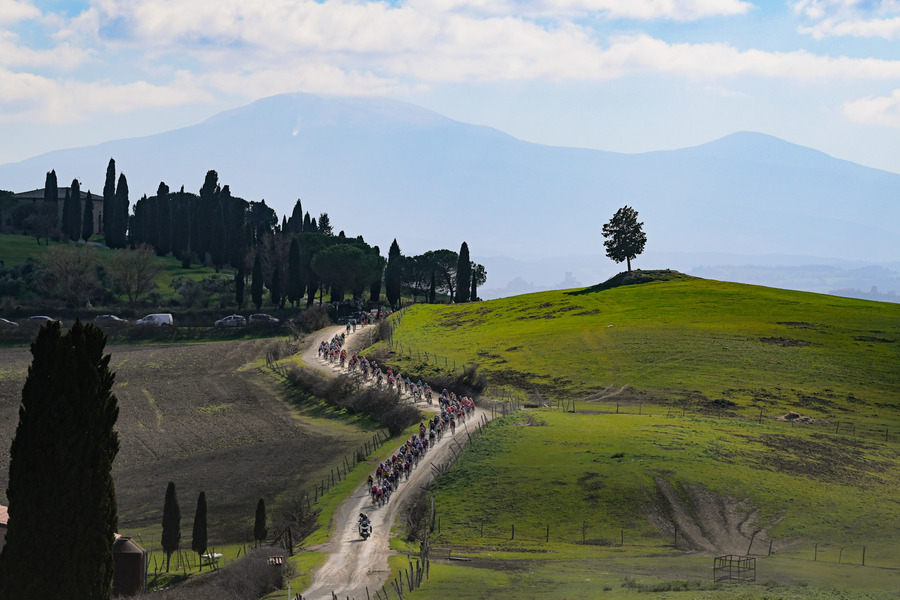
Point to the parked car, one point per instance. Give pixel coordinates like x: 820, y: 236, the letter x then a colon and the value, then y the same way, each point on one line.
x: 231, y: 321
x: 263, y: 319
x: 157, y: 319
x: 41, y: 320
x: 6, y: 324
x: 109, y: 321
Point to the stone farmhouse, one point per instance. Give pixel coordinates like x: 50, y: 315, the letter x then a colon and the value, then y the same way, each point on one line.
x: 33, y: 197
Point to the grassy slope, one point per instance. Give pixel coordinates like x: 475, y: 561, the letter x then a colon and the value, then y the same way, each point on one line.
x: 682, y: 341
x: 678, y: 343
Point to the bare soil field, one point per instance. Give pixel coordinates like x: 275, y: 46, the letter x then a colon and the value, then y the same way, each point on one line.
x: 201, y: 416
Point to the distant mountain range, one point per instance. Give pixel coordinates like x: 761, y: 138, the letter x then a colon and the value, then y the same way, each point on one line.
x: 387, y: 169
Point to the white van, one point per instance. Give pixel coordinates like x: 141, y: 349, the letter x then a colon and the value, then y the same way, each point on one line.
x: 158, y: 319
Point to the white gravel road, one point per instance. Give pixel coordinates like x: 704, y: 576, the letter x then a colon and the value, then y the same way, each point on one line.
x: 354, y: 565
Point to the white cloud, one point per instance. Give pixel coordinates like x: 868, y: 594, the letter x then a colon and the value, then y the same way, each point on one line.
x: 62, y: 57
x: 13, y: 11
x: 33, y: 97
x: 883, y: 110
x: 192, y: 49
x: 850, y: 18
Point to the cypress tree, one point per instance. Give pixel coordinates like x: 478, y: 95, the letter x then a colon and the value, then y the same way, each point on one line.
x: 72, y: 212
x: 393, y: 274
x: 60, y: 487
x: 87, y: 218
x: 463, y: 274
x: 163, y: 220
x: 120, y: 214
x: 306, y: 224
x: 295, y: 283
x: 109, y: 200
x: 206, y: 207
x: 296, y: 221
x: 181, y: 227
x: 259, y: 526
x: 171, y: 524
x: 198, y: 537
x: 51, y: 196
x: 377, y: 275
x: 256, y: 283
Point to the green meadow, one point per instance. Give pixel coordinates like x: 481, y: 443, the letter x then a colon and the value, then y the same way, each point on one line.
x: 675, y: 452
x: 688, y: 342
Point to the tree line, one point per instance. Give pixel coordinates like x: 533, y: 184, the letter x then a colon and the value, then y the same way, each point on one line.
x: 274, y: 263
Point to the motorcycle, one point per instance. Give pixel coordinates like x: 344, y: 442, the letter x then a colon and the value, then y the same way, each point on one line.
x: 365, y: 529
x: 364, y: 526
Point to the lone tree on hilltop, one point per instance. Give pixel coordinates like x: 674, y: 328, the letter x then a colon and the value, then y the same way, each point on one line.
x: 60, y: 483
x: 171, y: 524
x: 625, y: 236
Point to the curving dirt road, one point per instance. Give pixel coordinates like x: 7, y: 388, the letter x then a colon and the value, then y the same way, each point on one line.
x: 356, y: 566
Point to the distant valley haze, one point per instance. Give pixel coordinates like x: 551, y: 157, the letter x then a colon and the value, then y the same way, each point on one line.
x: 747, y: 207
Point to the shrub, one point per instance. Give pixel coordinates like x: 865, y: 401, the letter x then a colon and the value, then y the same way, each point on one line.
x: 344, y: 391
x: 313, y: 318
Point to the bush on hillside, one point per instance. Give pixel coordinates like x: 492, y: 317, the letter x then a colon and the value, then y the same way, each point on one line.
x: 313, y: 318
x: 344, y: 391
x: 633, y: 278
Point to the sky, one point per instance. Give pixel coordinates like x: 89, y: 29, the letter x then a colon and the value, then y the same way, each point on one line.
x: 619, y: 75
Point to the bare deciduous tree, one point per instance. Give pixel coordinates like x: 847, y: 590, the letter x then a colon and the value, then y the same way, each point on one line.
x: 132, y: 271
x: 69, y: 273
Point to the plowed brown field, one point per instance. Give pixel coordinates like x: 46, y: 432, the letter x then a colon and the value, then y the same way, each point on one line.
x: 200, y: 416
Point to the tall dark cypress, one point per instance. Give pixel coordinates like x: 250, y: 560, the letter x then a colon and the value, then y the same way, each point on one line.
x: 181, y: 227
x: 296, y: 221
x: 260, y: 531
x: 163, y: 220
x: 72, y: 212
x: 109, y: 199
x: 120, y: 214
x: 198, y: 537
x: 295, y: 283
x: 87, y: 217
x: 60, y: 472
x: 377, y: 275
x: 51, y: 196
x: 463, y: 274
x: 209, y: 195
x: 171, y: 524
x: 393, y: 274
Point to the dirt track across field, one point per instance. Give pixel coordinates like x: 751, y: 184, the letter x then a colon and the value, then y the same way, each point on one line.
x: 354, y: 565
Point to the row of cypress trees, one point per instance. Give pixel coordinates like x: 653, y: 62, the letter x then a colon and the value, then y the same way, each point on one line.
x: 171, y: 524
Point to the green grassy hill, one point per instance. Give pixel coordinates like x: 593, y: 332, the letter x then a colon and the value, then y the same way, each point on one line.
x: 674, y: 447
x: 695, y: 342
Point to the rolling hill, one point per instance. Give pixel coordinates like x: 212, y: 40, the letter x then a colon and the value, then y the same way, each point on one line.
x: 709, y: 418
